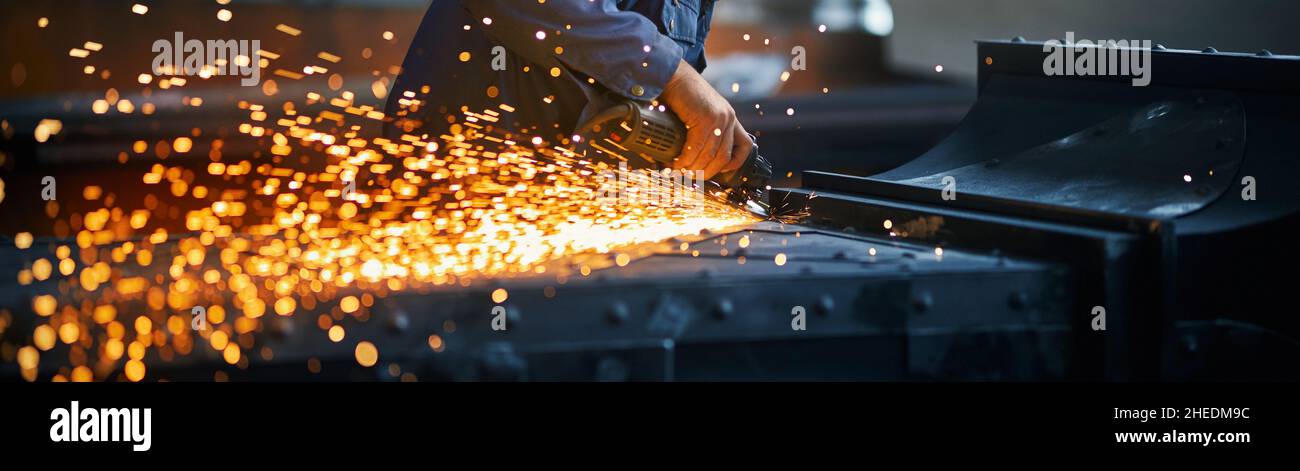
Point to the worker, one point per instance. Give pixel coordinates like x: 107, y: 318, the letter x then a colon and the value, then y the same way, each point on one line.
x: 550, y: 59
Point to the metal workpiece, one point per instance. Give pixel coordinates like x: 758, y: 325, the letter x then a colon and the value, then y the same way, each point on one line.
x: 1144, y: 194
x: 856, y: 305
x: 657, y: 318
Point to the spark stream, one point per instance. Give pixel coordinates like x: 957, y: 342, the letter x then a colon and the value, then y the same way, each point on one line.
x: 373, y: 216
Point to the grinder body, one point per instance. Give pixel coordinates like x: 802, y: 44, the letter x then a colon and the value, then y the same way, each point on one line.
x: 657, y: 136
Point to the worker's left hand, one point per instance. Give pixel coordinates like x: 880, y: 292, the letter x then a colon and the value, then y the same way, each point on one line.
x: 716, y: 142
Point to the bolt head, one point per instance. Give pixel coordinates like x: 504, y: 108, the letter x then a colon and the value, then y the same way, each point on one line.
x: 282, y: 328
x: 922, y: 302
x: 825, y: 305
x: 723, y: 308
x: 617, y: 313
x: 398, y: 321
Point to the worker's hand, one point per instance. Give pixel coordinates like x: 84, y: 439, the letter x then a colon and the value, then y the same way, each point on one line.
x: 715, y: 140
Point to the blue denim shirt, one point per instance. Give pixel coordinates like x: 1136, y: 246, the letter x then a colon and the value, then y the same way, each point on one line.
x: 627, y: 47
x: 685, y: 21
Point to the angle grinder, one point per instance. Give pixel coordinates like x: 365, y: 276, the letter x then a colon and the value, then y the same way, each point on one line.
x: 655, y: 134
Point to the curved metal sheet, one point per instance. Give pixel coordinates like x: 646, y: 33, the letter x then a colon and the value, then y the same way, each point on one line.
x: 1162, y: 159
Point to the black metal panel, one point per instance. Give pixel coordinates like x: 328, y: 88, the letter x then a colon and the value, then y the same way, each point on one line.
x: 1092, y: 173
x: 873, y: 308
x: 1133, y: 159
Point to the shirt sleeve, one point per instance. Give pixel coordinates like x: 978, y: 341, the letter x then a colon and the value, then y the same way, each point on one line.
x: 621, y: 50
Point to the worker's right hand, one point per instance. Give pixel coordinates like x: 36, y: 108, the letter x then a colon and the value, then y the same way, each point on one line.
x: 716, y: 142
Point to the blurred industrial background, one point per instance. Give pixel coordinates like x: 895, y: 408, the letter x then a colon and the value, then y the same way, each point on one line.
x: 886, y: 79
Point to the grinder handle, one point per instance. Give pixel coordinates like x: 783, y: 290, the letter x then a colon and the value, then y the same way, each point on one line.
x: 668, y: 119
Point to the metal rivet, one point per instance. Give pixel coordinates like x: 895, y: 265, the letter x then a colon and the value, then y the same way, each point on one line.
x: 1210, y: 50
x: 723, y: 308
x: 1018, y: 39
x: 922, y: 302
x: 825, y: 305
x: 1160, y: 47
x: 617, y: 313
x: 638, y: 90
x: 1265, y: 53
x: 397, y: 321
x: 282, y: 328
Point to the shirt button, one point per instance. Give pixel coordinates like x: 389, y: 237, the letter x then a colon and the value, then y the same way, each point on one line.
x: 671, y: 23
x: 638, y: 90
